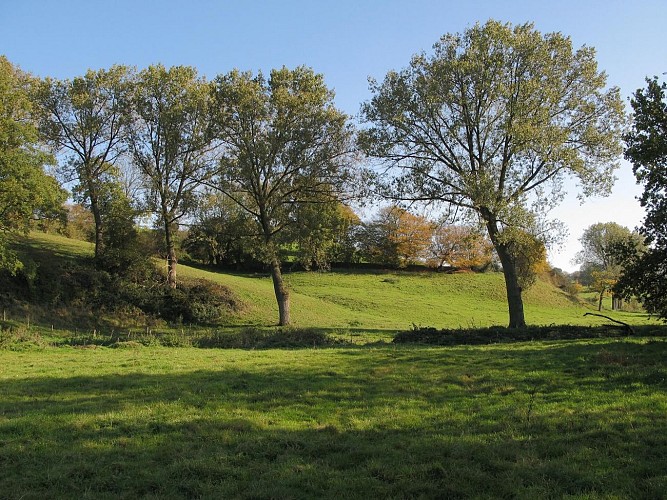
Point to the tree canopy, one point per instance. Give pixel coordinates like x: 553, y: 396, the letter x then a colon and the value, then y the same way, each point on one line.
x: 493, y: 122
x: 84, y: 119
x: 285, y: 145
x: 645, y: 274
x: 170, y: 144
x: 26, y: 191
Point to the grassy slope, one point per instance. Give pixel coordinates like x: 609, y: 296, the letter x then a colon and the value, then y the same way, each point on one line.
x: 531, y: 420
x: 380, y: 301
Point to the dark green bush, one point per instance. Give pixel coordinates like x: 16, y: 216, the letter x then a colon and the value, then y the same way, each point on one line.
x: 498, y: 334
x: 255, y: 338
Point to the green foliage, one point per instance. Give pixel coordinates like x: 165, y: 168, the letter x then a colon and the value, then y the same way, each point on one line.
x: 27, y: 193
x: 528, y: 255
x: 495, y: 117
x: 497, y: 334
x: 85, y: 119
x: 598, y: 242
x: 645, y: 273
x: 286, y: 145
x: 324, y: 233
x: 170, y: 144
x: 122, y: 253
x: 223, y: 234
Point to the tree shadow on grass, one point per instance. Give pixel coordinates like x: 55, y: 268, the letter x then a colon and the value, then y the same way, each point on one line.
x: 420, y: 422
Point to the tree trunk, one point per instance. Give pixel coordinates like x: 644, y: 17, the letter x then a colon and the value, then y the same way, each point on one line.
x: 616, y: 303
x: 514, y: 299
x: 171, y: 255
x: 600, y: 301
x: 282, y: 293
x: 97, y: 217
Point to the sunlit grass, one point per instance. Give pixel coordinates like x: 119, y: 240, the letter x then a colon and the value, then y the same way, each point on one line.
x: 378, y: 301
x: 539, y: 419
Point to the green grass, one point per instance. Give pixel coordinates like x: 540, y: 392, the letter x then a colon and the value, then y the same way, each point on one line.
x: 530, y: 420
x: 374, y: 303
x: 541, y: 419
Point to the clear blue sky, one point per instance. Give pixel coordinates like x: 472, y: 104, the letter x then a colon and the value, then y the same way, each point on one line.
x: 346, y: 40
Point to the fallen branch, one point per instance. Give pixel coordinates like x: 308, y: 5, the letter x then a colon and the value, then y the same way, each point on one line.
x: 627, y: 327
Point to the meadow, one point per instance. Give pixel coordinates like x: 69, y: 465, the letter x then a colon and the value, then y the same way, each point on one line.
x: 584, y: 419
x: 540, y: 419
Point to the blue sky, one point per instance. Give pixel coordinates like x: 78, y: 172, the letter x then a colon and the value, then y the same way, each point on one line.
x: 347, y: 41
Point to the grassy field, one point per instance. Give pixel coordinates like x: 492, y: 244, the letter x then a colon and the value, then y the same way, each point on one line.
x: 376, y: 303
x: 541, y: 419
x: 582, y: 419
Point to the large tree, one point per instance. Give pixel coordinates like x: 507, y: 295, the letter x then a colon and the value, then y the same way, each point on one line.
x: 170, y: 144
x: 84, y: 119
x: 285, y: 145
x: 645, y: 274
x: 26, y: 191
x: 493, y: 122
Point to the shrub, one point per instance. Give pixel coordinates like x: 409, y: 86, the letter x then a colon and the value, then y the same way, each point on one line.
x: 255, y: 338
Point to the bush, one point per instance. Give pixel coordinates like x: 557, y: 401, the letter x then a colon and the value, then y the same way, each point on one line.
x: 19, y: 338
x: 498, y: 334
x: 255, y: 338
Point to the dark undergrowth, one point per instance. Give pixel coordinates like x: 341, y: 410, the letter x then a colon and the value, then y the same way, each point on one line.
x: 15, y: 336
x: 20, y: 337
x: 499, y: 334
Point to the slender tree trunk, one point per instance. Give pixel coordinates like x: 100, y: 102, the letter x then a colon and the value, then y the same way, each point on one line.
x: 93, y: 196
x: 600, y: 301
x: 99, y: 231
x: 282, y: 293
x: 171, y: 254
x: 514, y: 299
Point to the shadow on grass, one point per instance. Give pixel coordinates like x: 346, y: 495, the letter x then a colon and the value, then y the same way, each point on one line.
x: 568, y: 419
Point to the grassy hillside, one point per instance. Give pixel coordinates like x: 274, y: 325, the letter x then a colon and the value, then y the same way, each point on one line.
x: 373, y: 300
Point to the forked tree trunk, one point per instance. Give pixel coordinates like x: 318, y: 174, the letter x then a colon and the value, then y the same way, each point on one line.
x: 514, y: 299
x: 282, y: 293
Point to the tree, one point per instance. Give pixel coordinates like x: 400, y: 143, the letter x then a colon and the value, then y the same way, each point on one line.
x: 598, y: 242
x: 26, y: 191
x: 85, y: 118
x: 599, y: 254
x: 461, y: 247
x: 170, y: 144
x: 285, y: 145
x: 645, y: 273
x: 222, y: 233
x: 322, y: 233
x: 396, y: 237
x: 492, y: 123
